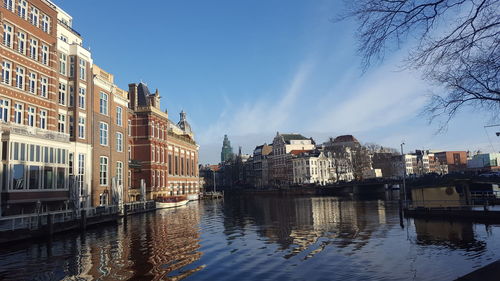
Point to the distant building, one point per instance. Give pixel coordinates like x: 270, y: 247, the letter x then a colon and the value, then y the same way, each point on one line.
x: 389, y: 164
x: 227, y: 151
x: 313, y: 167
x: 260, y: 165
x: 484, y: 162
x: 454, y: 160
x: 283, y: 144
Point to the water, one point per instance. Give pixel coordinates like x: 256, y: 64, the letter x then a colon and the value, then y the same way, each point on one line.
x: 261, y: 238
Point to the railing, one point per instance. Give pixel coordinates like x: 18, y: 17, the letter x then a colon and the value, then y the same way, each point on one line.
x: 36, y: 221
x: 139, y: 206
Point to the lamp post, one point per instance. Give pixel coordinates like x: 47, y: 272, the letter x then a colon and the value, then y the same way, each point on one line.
x: 404, y: 171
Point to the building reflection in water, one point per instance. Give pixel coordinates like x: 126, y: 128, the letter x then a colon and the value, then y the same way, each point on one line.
x: 162, y: 246
x: 299, y: 224
x: 455, y: 235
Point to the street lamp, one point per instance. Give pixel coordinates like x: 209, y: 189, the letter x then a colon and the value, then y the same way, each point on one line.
x: 404, y: 171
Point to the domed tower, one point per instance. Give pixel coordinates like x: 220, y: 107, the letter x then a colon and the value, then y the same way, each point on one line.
x: 184, y: 125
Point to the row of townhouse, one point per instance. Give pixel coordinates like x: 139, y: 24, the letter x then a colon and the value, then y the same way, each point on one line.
x: 70, y: 137
x: 292, y: 159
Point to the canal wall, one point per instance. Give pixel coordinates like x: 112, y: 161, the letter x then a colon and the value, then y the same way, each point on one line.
x: 484, y: 216
x: 46, y: 225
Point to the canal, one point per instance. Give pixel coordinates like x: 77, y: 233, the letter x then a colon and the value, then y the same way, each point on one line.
x: 261, y: 238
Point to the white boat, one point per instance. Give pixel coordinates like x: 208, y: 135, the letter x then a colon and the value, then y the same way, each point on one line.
x: 193, y: 197
x: 170, y: 202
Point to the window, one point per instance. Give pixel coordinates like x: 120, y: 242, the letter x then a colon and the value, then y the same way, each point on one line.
x: 83, y: 68
x: 31, y: 116
x: 103, y: 103
x: 18, y: 176
x: 103, y: 170
x: 62, y: 63
x: 7, y: 35
x: 81, y: 98
x: 32, y: 83
x: 20, y: 78
x: 169, y: 164
x: 119, y: 173
x: 22, y: 6
x: 18, y: 113
x: 44, y: 86
x: 43, y: 119
x: 81, y: 172
x: 6, y: 72
x: 21, y: 42
x: 129, y: 179
x: 46, y: 23
x: 4, y: 110
x: 34, y: 49
x: 34, y: 15
x: 72, y: 66
x: 119, y: 116
x: 81, y: 127
x: 62, y: 93
x: 103, y: 199
x: 71, y: 95
x: 71, y: 126
x: 129, y: 128
x: 103, y: 133
x: 64, y: 38
x: 61, y: 124
x: 152, y: 129
x: 45, y: 54
x: 162, y: 178
x: 129, y: 153
x: 8, y: 5
x: 153, y: 154
x: 158, y: 178
x: 119, y: 142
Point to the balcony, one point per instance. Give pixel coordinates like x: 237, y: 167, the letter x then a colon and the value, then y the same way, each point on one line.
x: 23, y: 130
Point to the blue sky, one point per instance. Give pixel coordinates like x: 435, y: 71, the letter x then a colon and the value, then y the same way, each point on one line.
x: 251, y: 68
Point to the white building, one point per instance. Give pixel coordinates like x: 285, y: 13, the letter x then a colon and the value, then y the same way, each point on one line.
x: 281, y: 166
x: 313, y: 168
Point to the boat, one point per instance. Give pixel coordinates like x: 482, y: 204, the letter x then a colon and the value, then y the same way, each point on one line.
x: 193, y: 197
x: 170, y: 202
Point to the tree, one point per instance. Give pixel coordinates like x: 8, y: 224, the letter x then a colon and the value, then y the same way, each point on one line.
x: 457, y: 46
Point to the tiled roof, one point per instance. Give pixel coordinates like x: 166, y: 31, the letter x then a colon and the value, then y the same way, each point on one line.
x: 297, y: 152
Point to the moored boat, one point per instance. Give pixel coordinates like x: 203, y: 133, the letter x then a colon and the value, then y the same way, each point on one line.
x: 170, y: 202
x: 193, y: 197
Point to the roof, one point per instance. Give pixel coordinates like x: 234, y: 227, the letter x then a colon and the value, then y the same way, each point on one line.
x: 300, y: 151
x: 288, y: 137
x: 345, y: 138
x: 142, y: 93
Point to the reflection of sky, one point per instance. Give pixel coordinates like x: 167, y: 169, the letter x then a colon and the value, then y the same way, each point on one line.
x: 253, y: 238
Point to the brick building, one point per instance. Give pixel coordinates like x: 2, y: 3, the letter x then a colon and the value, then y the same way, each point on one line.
x: 34, y: 151
x: 110, y: 140
x: 164, y: 154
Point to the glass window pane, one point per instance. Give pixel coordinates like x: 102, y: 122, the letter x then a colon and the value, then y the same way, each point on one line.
x: 48, y: 177
x: 34, y: 177
x: 60, y: 178
x: 18, y: 176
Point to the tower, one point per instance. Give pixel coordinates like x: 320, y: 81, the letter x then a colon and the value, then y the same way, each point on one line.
x: 227, y: 151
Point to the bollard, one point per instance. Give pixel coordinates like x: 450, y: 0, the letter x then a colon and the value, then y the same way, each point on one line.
x: 50, y: 224
x: 83, y: 220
